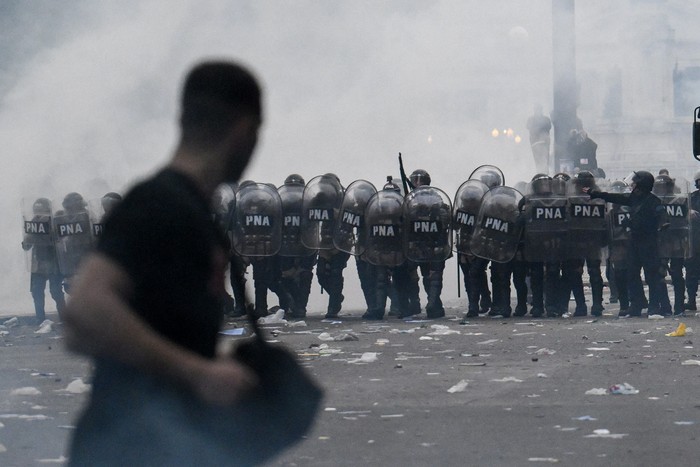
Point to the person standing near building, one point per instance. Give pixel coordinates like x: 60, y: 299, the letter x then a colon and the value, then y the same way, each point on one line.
x: 146, y: 306
x: 539, y: 126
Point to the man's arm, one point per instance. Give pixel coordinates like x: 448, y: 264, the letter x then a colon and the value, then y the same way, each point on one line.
x: 100, y: 323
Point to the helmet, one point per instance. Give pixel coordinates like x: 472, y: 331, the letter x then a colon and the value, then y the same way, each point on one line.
x: 74, y: 202
x: 663, y: 185
x: 294, y: 179
x: 541, y: 184
x: 110, y: 200
x: 584, y: 179
x: 390, y: 185
x: 42, y: 206
x: 559, y: 182
x: 491, y: 179
x: 643, y: 180
x: 618, y: 186
x: 420, y: 177
x: 245, y: 183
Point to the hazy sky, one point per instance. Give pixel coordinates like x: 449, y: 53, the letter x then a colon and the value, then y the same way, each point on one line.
x: 88, y: 91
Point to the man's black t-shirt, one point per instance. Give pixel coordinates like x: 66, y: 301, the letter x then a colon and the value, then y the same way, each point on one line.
x: 163, y: 236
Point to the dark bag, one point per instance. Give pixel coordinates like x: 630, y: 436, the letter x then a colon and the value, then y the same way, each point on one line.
x: 283, y: 408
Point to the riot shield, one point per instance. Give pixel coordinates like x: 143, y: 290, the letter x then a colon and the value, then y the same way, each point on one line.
x: 223, y: 205
x: 383, y: 226
x: 675, y: 238
x: 587, y: 224
x: 427, y: 215
x: 37, y: 236
x: 546, y: 226
x: 257, y: 228
x: 618, y: 232
x: 464, y: 213
x: 291, y: 196
x: 321, y: 202
x: 73, y: 237
x: 350, y: 235
x: 497, y: 232
x: 490, y: 175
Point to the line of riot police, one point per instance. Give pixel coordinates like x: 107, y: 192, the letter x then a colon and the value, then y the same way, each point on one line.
x: 56, y: 240
x: 539, y: 242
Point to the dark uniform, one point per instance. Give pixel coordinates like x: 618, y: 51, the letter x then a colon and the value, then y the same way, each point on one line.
x: 692, y: 264
x: 646, y: 216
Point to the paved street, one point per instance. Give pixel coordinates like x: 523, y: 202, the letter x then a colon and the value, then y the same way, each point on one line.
x: 492, y: 392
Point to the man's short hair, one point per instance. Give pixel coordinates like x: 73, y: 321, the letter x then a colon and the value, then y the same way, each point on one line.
x: 215, y: 94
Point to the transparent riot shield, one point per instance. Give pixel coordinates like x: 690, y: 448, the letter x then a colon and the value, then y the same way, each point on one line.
x: 618, y: 232
x: 675, y: 237
x: 257, y: 228
x: 37, y: 236
x: 490, y: 175
x: 498, y: 232
x: 383, y: 226
x: 546, y: 227
x: 587, y: 224
x: 97, y: 216
x: 291, y: 196
x: 464, y: 213
x: 321, y: 202
x: 350, y: 235
x: 73, y: 237
x: 427, y: 223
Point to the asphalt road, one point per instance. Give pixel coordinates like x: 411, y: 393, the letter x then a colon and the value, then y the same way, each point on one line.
x: 493, y: 392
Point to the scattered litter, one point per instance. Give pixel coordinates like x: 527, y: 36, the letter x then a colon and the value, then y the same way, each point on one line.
x: 585, y: 418
x: 679, y: 332
x: 397, y: 415
x: 542, y: 375
x: 24, y: 417
x: 656, y: 317
x: 60, y: 460
x: 425, y: 338
x: 459, y: 387
x: 382, y: 341
x: 624, y: 388
x: 508, y: 379
x: 545, y: 351
x: 77, y: 386
x: 12, y: 322
x: 473, y: 334
x: 330, y: 409
x: 641, y: 331
x: 523, y: 333
x: 608, y: 342
x: 490, y: 341
x: 690, y: 362
x: 596, y: 392
x: 331, y: 321
x: 473, y: 364
x: 45, y: 327
x: 277, y: 318
x: 603, y: 433
x: 296, y: 324
x: 442, y: 330
x: 233, y: 332
x: 596, y: 349
x: 345, y: 336
x: 550, y: 460
x: 532, y: 396
x: 566, y: 428
x: 367, y: 357
x: 26, y: 391
x: 432, y: 374
x: 684, y: 422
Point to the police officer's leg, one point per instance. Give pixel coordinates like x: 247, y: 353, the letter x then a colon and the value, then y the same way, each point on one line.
x: 237, y: 279
x: 367, y: 281
x: 612, y: 283
x: 620, y: 278
x: 553, y: 286
x: 678, y: 282
x: 37, y: 286
x: 260, y: 284
x: 337, y: 263
x: 692, y: 277
x: 376, y: 299
x: 519, y: 274
x: 501, y: 277
x: 477, y: 269
x: 485, y: 300
x: 635, y: 258
x: 656, y: 279
x: 595, y: 277
x: 56, y: 289
x: 304, y: 279
x: 434, y: 308
x: 574, y: 281
x: 537, y: 287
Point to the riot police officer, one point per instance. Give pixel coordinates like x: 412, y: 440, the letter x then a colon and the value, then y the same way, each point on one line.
x: 692, y: 264
x: 44, y: 265
x: 646, y: 217
x: 431, y: 270
x: 674, y: 241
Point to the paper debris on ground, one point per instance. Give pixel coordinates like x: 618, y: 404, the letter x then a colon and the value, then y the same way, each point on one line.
x: 26, y: 391
x: 367, y: 357
x: 459, y: 387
